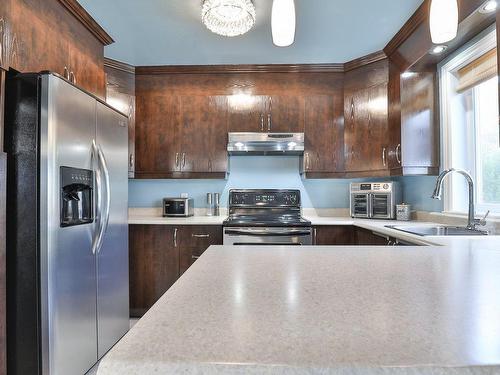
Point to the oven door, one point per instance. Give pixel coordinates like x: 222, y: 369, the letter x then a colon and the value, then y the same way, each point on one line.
x: 381, y: 206
x: 267, y: 236
x: 360, y: 205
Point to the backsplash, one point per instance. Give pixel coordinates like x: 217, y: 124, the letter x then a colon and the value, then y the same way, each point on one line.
x: 274, y: 173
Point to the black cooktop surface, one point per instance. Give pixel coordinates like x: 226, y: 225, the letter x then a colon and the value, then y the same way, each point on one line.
x: 266, y: 221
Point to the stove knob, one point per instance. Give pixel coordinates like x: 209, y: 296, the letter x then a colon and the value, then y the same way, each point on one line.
x: 386, y: 186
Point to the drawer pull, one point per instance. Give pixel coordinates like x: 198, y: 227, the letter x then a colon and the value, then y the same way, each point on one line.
x: 201, y: 235
x: 195, y: 257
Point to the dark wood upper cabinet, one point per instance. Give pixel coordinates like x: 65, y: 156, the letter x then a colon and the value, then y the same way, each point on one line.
x: 247, y: 113
x: 286, y: 114
x: 323, y: 137
x: 158, y: 123
x: 120, y: 93
x: 5, y: 9
x: 366, y: 120
x: 203, y: 134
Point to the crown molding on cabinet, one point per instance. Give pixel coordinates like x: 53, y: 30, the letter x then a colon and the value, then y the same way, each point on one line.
x: 224, y: 69
x: 86, y: 19
x: 420, y: 16
x: 364, y: 60
x: 118, y: 65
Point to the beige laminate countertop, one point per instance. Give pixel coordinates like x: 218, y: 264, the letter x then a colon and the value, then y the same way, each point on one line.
x: 325, y: 310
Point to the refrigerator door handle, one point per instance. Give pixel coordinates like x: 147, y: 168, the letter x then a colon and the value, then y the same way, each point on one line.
x: 105, y: 214
x: 98, y: 193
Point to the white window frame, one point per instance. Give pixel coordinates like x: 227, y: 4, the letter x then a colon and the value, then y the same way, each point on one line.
x: 483, y: 43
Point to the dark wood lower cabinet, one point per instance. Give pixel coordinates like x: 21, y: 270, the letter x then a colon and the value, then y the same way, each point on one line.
x: 159, y: 255
x: 346, y: 235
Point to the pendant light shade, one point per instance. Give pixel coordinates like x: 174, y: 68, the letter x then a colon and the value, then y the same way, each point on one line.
x: 283, y: 22
x: 443, y: 20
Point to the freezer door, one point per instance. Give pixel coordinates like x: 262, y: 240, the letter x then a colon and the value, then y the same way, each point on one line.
x: 68, y: 272
x: 112, y: 256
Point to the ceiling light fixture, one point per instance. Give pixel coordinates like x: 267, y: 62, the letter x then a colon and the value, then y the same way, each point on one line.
x: 443, y: 20
x: 228, y: 17
x: 437, y: 50
x: 283, y: 22
x: 489, y: 7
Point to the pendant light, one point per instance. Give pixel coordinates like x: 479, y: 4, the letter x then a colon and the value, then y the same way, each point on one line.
x: 283, y: 22
x: 443, y: 20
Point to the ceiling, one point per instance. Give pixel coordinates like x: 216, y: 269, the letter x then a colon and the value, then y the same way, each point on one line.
x: 170, y: 32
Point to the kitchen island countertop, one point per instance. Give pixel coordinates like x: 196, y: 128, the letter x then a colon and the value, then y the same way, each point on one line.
x: 336, y: 310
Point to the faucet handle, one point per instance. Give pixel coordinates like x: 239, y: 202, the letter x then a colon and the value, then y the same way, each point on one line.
x: 482, y: 222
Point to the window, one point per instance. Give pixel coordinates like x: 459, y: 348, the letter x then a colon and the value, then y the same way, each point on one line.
x: 470, y: 133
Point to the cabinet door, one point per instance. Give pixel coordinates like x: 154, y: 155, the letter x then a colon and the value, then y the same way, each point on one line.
x: 286, y: 114
x: 5, y: 9
x: 357, y: 143
x: 154, y: 264
x: 194, y: 240
x: 157, y: 150
x: 378, y: 129
x: 334, y: 235
x: 204, y: 134
x: 364, y: 237
x: 120, y: 93
x: 321, y: 135
x: 247, y: 113
x: 86, y: 66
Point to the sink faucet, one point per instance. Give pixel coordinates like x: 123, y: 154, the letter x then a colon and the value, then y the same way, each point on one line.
x: 473, y: 223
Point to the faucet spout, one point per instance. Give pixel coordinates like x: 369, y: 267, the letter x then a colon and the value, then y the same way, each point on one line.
x: 472, y: 223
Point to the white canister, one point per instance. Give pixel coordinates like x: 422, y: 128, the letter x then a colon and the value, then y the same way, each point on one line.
x: 403, y: 212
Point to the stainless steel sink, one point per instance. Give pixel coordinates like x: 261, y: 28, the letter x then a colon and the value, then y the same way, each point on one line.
x: 437, y: 230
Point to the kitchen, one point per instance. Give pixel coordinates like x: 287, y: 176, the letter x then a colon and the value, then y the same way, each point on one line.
x: 238, y: 186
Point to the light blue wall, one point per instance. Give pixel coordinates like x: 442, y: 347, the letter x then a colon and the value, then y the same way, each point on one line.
x: 417, y: 191
x: 246, y: 172
x: 273, y: 172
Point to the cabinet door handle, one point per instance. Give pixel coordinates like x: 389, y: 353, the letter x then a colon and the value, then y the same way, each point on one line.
x: 175, y: 237
x: 269, y: 122
x: 131, y: 160
x: 384, y: 156
x: 200, y: 235
x: 72, y: 77
x: 66, y: 73
x: 398, y: 153
x: 195, y: 257
x: 176, y: 160
x: 315, y: 234
x: 261, y: 122
x: 183, y: 160
x: 308, y: 161
x: 352, y: 109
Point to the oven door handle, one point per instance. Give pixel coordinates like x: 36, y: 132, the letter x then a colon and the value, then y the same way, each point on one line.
x: 267, y: 233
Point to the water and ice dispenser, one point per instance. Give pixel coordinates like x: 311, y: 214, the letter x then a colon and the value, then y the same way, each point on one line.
x: 76, y: 196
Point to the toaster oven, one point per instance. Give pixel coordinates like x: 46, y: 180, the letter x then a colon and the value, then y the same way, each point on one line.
x: 178, y: 207
x: 375, y: 200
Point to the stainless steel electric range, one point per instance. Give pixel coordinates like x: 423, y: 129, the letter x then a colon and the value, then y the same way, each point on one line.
x: 265, y: 218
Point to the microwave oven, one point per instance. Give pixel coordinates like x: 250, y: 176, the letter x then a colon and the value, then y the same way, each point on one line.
x: 375, y: 200
x: 178, y: 207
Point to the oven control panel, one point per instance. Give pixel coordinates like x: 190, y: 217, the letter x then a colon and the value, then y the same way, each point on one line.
x: 264, y: 198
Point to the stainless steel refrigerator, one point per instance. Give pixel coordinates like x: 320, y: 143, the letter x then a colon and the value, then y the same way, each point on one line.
x: 67, y: 232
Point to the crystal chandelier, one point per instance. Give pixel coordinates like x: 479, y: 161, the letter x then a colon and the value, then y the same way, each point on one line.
x: 228, y: 17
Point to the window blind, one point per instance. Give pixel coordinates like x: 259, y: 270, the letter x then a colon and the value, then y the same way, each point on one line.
x: 478, y: 71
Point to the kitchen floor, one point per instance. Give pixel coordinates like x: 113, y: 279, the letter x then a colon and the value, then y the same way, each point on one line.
x: 93, y: 370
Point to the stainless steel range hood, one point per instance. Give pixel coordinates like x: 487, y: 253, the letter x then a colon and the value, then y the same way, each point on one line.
x: 266, y: 144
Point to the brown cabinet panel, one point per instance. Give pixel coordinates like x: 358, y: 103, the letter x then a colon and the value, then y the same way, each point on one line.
x: 323, y: 137
x: 194, y: 240
x: 158, y: 122
x: 154, y: 264
x: 120, y: 93
x: 43, y: 35
x: 364, y: 237
x: 247, y: 113
x: 334, y: 235
x: 204, y: 134
x: 5, y: 12
x: 286, y: 114
x: 419, y: 146
x: 356, y: 127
